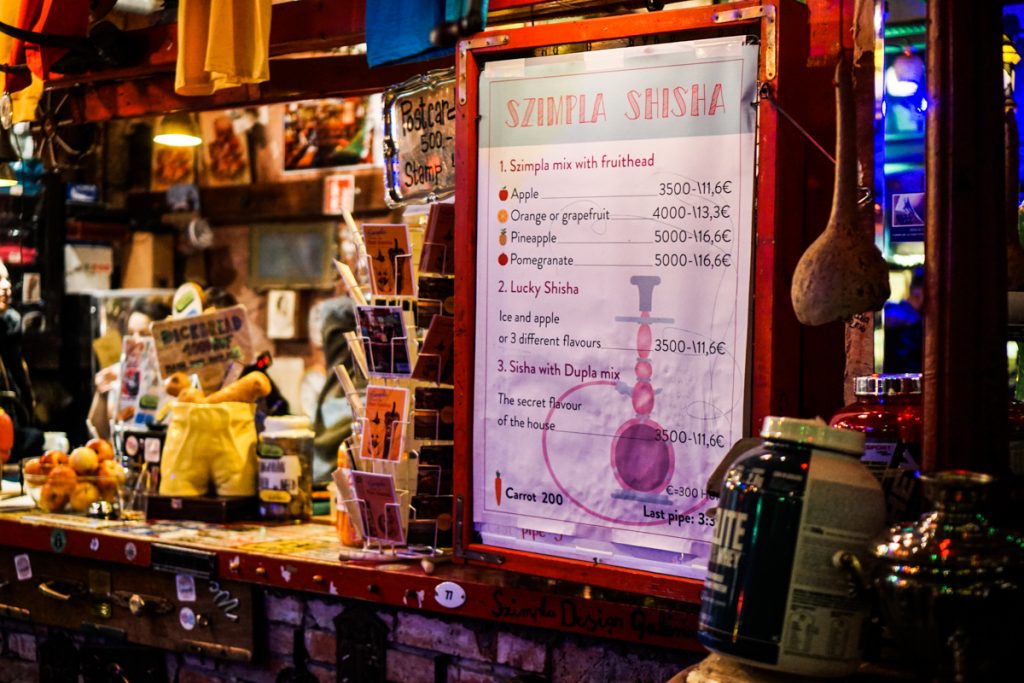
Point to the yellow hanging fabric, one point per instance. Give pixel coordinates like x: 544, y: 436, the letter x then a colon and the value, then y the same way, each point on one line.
x: 24, y: 100
x: 222, y: 45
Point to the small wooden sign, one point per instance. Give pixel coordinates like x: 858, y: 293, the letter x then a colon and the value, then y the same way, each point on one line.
x: 204, y: 344
x: 419, y: 138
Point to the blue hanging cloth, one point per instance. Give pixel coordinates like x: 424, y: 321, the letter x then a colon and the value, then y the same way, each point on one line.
x: 399, y: 31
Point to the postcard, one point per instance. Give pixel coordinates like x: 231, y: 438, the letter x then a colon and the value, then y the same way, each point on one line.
x: 433, y: 418
x: 379, y: 507
x: 389, y: 257
x: 384, y: 426
x: 436, y: 296
x: 439, y: 240
x: 385, y: 340
x: 434, y: 363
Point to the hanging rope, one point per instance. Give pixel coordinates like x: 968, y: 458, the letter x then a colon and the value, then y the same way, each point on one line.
x: 766, y: 93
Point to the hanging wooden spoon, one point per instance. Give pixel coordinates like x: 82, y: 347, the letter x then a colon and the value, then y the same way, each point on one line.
x: 842, y: 273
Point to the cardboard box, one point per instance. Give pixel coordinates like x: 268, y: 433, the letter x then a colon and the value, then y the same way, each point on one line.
x: 87, y: 266
x: 150, y: 261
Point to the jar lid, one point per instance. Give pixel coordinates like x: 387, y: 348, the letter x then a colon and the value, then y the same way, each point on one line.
x: 888, y: 385
x: 814, y: 432
x: 283, y: 423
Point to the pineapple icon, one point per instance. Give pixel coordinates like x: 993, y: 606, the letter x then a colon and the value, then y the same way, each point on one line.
x: 502, y: 238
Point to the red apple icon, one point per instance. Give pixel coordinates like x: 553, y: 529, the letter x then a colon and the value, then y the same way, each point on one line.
x: 503, y: 194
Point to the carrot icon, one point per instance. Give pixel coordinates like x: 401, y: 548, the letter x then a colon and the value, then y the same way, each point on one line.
x: 497, y: 487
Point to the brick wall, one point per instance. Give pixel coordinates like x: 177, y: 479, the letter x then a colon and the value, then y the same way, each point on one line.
x: 420, y: 649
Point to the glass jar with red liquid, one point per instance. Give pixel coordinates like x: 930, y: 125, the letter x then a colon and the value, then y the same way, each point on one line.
x: 888, y: 411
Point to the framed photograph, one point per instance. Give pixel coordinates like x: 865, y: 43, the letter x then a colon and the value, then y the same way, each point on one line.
x: 389, y: 259
x: 908, y: 209
x: 172, y: 166
x: 385, y: 340
x: 292, y: 255
x: 326, y: 133
x: 225, y: 148
x: 387, y: 409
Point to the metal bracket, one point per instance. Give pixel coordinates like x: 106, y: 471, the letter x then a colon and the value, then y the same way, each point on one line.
x: 474, y: 44
x: 462, y: 552
x: 766, y: 12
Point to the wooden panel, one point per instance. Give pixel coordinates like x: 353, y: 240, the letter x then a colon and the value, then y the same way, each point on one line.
x: 290, y: 79
x: 286, y: 200
x: 965, y: 397
x: 494, y: 595
x: 157, y: 625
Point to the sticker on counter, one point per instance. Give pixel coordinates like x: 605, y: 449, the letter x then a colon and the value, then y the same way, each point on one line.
x: 23, y: 567
x: 130, y: 551
x: 450, y: 594
x: 58, y: 540
x: 186, y: 586
x: 94, y: 544
x: 187, y: 618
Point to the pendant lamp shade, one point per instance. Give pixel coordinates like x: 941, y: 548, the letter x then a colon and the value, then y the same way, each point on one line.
x: 177, y: 130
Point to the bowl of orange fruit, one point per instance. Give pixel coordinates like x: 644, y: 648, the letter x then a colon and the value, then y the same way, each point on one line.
x: 73, y: 482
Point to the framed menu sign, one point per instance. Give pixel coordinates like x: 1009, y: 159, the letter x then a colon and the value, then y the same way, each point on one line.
x: 614, y: 232
x: 419, y: 139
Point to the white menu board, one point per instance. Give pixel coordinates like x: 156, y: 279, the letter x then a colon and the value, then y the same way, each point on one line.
x: 613, y: 286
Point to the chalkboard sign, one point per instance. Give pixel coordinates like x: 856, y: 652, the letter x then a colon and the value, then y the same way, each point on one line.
x: 419, y: 139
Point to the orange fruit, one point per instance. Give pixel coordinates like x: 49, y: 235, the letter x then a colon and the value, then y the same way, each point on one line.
x: 52, y: 499
x: 102, y: 447
x: 84, y: 460
x: 63, y: 478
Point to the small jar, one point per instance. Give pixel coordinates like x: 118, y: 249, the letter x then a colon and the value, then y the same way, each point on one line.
x: 285, y: 453
x: 772, y: 597
x: 1016, y: 415
x: 888, y: 412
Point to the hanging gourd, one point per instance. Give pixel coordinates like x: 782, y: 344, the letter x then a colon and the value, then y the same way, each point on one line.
x: 842, y: 273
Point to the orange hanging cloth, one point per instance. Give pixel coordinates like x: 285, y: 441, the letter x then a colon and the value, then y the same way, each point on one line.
x: 222, y: 45
x: 69, y: 18
x: 6, y: 436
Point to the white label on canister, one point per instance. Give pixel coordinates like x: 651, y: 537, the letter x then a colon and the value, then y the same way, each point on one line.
x: 843, y: 509
x: 280, y: 474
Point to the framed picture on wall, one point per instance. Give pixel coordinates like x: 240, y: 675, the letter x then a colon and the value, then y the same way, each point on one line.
x: 172, y: 166
x: 327, y: 133
x: 225, y: 155
x: 292, y: 255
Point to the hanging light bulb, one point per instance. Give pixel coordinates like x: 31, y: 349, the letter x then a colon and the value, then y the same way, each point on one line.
x: 177, y: 130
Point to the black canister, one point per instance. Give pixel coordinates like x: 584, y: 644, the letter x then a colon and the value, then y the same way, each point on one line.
x: 772, y: 597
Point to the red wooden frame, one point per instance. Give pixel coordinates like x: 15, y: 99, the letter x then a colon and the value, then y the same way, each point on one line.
x: 778, y: 218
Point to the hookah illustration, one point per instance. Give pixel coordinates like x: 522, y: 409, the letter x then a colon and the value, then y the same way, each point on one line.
x: 642, y: 463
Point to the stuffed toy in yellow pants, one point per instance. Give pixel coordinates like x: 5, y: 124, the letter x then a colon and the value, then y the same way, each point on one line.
x: 210, y: 446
